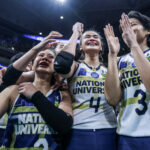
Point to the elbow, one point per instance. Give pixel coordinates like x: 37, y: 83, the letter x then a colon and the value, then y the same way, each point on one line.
x: 63, y: 62
x: 112, y: 101
x: 112, y: 98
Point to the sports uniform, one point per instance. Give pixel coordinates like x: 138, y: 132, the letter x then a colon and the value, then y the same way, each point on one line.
x: 3, y: 122
x: 94, y: 119
x: 26, y: 128
x: 133, y: 126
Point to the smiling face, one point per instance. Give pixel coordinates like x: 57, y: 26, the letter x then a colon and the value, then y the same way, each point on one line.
x: 43, y: 62
x: 91, y: 42
x: 139, y: 30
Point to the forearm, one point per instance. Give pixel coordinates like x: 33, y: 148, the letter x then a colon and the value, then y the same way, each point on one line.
x: 71, y: 46
x: 22, y: 62
x: 55, y: 117
x: 112, y: 84
x: 142, y: 64
x: 10, y: 77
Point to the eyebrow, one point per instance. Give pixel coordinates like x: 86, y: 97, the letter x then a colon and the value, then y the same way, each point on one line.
x: 91, y: 35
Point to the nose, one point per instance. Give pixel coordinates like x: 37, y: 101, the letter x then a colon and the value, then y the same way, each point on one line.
x: 45, y: 58
x: 92, y: 38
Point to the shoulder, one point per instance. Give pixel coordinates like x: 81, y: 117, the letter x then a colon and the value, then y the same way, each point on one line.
x: 10, y: 89
x: 9, y: 95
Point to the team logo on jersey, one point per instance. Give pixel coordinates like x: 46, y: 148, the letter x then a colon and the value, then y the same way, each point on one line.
x: 94, y: 75
x: 133, y: 65
x: 123, y: 64
x: 82, y: 72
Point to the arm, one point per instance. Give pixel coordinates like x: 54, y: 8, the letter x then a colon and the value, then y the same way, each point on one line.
x: 15, y: 70
x: 64, y: 62
x: 6, y: 99
x: 142, y: 64
x: 22, y: 62
x: 60, y: 119
x: 112, y: 84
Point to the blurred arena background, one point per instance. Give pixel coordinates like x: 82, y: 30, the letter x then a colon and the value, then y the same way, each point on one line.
x: 19, y: 19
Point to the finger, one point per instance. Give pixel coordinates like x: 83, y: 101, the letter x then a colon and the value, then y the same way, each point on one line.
x: 111, y: 30
x: 54, y: 43
x: 124, y: 22
x: 127, y: 21
x: 53, y: 34
x: 20, y: 88
x: 106, y: 32
x: 46, y: 43
x: 49, y: 45
x: 24, y: 84
x: 121, y: 25
x: 21, y: 92
x: 3, y: 70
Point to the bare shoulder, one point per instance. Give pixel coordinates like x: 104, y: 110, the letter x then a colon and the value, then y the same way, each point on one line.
x: 7, y: 98
x: 12, y: 88
x: 12, y: 92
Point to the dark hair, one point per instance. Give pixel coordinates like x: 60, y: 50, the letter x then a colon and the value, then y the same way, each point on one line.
x: 145, y: 21
x: 80, y: 54
x: 16, y: 57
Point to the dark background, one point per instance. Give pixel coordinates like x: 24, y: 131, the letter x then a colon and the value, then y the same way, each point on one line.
x: 18, y: 17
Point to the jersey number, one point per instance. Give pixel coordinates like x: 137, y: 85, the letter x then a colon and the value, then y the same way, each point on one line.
x: 141, y: 101
x: 41, y: 142
x: 96, y: 106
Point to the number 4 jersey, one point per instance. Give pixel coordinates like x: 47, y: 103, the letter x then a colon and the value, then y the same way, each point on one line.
x: 91, y: 110
x: 134, y: 116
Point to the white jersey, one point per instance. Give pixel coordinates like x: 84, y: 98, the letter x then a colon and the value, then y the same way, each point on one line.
x: 134, y: 116
x: 91, y: 110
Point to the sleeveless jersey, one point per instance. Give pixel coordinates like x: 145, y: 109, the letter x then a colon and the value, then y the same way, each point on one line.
x: 26, y: 129
x: 134, y: 116
x: 3, y: 121
x: 90, y: 108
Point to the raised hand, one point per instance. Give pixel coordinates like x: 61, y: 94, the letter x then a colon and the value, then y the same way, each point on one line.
x: 112, y: 41
x: 59, y: 47
x: 27, y: 89
x: 2, y: 71
x: 48, y: 41
x: 78, y: 28
x: 128, y: 34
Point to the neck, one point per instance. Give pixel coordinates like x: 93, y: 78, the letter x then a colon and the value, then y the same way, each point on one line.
x: 42, y: 82
x: 92, y: 60
x: 143, y: 45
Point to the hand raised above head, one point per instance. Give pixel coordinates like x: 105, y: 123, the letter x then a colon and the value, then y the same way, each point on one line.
x: 112, y: 40
x: 78, y: 28
x: 128, y: 34
x: 2, y: 71
x: 48, y: 41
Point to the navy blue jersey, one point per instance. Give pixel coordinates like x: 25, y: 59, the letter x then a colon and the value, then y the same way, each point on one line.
x: 26, y: 128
